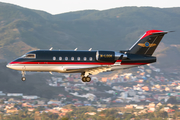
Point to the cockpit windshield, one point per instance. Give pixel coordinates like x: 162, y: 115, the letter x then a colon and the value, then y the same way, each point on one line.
x: 29, y: 56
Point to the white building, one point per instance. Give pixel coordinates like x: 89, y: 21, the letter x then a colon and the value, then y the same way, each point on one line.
x: 124, y: 95
x: 178, y: 88
x: 110, y: 92
x: 136, y: 98
x: 54, y: 102
x: 30, y: 97
x: 140, y: 107
x: 14, y: 94
x: 131, y: 92
x: 107, y: 99
x: 95, y: 79
x: 2, y: 94
x: 57, y: 108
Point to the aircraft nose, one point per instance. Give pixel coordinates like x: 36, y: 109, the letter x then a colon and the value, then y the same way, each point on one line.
x: 8, y: 65
x: 11, y: 65
x: 15, y: 65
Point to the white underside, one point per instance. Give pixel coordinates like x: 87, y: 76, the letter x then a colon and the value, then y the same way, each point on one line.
x: 52, y: 68
x: 67, y: 68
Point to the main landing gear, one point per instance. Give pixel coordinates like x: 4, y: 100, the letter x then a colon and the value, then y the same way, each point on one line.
x: 85, y: 78
x: 23, y: 76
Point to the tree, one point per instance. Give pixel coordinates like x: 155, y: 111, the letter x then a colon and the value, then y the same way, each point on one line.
x: 50, y: 106
x: 70, y: 106
x: 64, y: 118
x: 177, y: 114
x: 111, y: 118
x: 162, y: 114
x: 1, y: 116
x: 150, y: 115
x: 40, y: 108
x: 1, y: 101
x: 175, y: 107
x: 172, y: 100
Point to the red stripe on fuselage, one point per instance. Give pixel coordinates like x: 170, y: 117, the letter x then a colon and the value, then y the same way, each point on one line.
x: 76, y: 63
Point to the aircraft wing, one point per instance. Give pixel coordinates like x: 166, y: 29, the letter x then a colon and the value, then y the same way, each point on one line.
x: 91, y: 71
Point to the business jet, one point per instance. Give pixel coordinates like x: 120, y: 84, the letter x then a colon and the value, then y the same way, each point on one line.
x: 90, y: 62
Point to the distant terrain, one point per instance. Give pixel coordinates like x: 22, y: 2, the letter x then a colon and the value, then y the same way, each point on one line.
x: 23, y: 29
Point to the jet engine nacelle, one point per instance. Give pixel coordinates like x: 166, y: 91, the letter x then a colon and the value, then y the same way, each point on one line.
x: 108, y: 56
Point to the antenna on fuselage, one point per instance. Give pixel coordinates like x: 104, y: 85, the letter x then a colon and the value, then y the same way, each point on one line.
x: 75, y: 49
x: 90, y: 49
x: 51, y: 48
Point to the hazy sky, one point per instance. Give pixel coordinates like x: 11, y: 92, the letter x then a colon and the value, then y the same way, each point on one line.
x: 62, y: 6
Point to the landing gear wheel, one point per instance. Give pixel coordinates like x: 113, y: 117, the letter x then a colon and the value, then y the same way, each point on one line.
x: 23, y: 78
x: 88, y: 79
x: 84, y: 79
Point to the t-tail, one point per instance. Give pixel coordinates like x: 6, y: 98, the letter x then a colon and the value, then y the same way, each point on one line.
x: 147, y: 44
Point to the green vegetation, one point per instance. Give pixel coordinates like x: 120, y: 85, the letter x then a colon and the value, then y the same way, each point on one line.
x: 85, y: 113
x: 35, y: 115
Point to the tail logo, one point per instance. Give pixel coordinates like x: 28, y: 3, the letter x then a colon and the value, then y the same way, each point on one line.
x: 146, y: 44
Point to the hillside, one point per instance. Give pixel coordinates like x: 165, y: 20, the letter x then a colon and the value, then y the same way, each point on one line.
x: 35, y: 85
x: 23, y: 29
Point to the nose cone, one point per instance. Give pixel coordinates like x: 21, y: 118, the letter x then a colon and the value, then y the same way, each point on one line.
x: 8, y: 65
x: 11, y: 65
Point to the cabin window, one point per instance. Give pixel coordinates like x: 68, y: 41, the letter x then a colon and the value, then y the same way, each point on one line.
x: 90, y: 58
x: 78, y: 58
x: 54, y: 58
x: 72, y: 58
x: 60, y: 58
x: 85, y: 58
x: 66, y: 58
x: 29, y: 56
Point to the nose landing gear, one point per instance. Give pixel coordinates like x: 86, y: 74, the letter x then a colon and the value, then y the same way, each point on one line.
x: 23, y: 78
x: 23, y: 75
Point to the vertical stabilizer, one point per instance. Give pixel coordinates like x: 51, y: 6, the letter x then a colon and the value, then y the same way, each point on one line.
x: 147, y: 44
